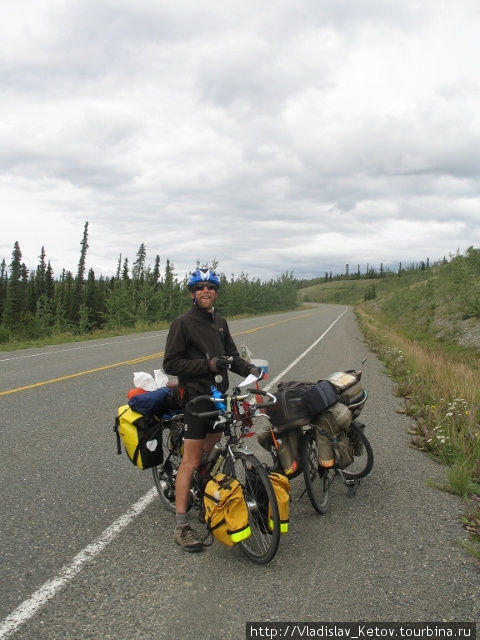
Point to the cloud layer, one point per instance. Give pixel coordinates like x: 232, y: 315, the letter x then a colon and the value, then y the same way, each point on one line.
x: 299, y: 136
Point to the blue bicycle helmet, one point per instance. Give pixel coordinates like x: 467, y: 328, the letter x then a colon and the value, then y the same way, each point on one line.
x: 203, y: 275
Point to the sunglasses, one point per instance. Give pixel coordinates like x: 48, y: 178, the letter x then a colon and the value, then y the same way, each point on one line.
x: 201, y: 287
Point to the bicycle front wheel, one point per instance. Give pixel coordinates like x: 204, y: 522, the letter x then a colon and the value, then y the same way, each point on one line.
x: 165, y: 475
x: 263, y: 543
x: 317, y: 478
x: 363, y: 461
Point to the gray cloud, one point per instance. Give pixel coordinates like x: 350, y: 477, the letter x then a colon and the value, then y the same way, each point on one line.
x: 301, y: 136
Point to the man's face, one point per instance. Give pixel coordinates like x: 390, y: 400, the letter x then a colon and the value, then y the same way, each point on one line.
x: 205, y: 294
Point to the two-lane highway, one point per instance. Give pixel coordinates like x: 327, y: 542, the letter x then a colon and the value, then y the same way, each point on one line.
x: 67, y: 498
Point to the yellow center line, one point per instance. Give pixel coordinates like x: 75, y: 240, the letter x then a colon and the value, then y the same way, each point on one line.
x: 271, y: 324
x: 83, y: 373
x: 134, y: 360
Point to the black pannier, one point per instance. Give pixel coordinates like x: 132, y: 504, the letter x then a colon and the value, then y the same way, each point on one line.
x: 290, y: 410
x: 298, y: 402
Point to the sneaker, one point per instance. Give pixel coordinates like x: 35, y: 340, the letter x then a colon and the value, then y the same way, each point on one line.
x: 186, y: 537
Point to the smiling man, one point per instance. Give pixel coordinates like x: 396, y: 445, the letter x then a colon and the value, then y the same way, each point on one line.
x: 198, y: 345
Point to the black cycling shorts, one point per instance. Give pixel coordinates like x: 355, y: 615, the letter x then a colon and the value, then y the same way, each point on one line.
x: 197, y: 428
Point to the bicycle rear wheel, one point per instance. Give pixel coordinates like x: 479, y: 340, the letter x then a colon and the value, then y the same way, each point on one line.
x: 317, y: 478
x: 363, y: 461
x: 262, y: 545
x: 164, y: 475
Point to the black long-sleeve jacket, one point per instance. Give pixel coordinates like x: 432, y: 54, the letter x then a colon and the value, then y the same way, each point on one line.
x: 194, y: 338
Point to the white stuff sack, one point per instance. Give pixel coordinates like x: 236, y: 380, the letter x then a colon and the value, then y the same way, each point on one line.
x: 144, y: 380
x: 161, y: 378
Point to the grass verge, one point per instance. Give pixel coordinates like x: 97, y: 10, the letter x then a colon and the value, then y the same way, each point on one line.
x: 442, y: 395
x: 68, y: 337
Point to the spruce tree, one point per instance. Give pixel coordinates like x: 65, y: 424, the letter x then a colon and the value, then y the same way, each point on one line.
x: 31, y: 291
x: 119, y: 268
x: 156, y: 272
x: 125, y: 276
x: 68, y: 296
x: 15, y: 302
x: 3, y: 286
x: 49, y: 282
x: 138, y: 269
x: 92, y: 301
x: 80, y: 279
x: 41, y: 275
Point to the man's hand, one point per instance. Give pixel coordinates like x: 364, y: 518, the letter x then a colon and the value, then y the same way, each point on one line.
x: 218, y: 365
x: 255, y: 371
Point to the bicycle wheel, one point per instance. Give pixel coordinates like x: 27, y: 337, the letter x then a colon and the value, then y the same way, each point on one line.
x: 164, y: 475
x: 262, y: 545
x: 363, y: 461
x: 317, y: 478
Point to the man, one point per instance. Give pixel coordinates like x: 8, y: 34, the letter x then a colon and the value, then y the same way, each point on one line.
x: 198, y: 345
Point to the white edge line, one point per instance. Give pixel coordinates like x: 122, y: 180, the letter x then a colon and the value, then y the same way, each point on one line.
x: 49, y: 589
x: 302, y: 355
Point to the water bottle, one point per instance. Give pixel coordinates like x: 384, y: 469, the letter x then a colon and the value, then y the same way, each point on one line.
x: 219, y: 404
x: 216, y: 467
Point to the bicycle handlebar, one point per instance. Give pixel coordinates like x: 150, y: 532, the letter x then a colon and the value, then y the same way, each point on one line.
x: 203, y: 414
x: 243, y: 396
x: 261, y: 392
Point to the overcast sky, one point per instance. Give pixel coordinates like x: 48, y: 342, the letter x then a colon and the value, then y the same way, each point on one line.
x: 295, y: 135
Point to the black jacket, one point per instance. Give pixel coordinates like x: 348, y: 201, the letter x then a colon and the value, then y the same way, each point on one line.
x: 194, y: 338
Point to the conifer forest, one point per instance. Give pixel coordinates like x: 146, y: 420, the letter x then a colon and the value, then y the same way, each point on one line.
x: 37, y: 304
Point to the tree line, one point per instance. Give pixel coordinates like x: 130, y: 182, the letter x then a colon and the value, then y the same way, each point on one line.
x: 371, y: 273
x: 36, y: 304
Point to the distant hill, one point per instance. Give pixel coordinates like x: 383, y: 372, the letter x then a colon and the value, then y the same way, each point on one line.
x: 439, y: 303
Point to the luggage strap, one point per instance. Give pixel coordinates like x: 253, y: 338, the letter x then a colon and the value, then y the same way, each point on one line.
x: 334, y: 438
x: 115, y: 428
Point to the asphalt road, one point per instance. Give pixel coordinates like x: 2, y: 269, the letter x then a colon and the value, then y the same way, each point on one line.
x: 76, y: 563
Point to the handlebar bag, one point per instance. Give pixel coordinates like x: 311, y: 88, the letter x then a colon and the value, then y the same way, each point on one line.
x: 141, y: 437
x: 226, y: 512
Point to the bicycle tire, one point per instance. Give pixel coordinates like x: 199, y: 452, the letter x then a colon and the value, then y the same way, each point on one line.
x: 262, y: 545
x: 363, y: 462
x: 317, y: 478
x: 165, y: 479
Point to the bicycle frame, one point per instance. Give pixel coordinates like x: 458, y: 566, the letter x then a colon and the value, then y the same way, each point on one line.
x: 232, y: 457
x: 228, y: 450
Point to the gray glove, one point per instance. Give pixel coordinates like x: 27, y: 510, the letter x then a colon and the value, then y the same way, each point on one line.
x: 255, y: 371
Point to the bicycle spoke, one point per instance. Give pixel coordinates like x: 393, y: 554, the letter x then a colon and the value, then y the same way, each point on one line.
x: 262, y: 545
x: 317, y: 479
x: 363, y: 461
x: 164, y: 475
